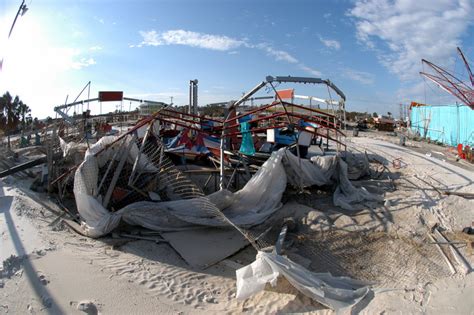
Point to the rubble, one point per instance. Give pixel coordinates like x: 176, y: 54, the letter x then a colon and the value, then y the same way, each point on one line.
x: 151, y: 184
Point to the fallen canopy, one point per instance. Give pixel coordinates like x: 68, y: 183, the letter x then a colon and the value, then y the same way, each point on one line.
x: 336, y: 293
x: 326, y: 170
x: 250, y: 206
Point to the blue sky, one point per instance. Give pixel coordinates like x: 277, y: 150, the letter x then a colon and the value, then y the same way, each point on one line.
x: 371, y: 49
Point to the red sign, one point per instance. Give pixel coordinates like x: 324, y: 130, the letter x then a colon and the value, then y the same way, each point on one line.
x: 109, y: 96
x: 286, y: 94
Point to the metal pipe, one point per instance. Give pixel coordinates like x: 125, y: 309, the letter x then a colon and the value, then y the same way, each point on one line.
x: 143, y: 101
x: 195, y: 96
x: 190, y: 97
x: 250, y: 93
x: 308, y: 80
x: 221, y: 168
x: 75, y: 103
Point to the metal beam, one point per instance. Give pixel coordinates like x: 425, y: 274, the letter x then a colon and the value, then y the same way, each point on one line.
x: 75, y: 103
x: 317, y: 99
x: 144, y: 101
x: 248, y: 94
x: 305, y: 80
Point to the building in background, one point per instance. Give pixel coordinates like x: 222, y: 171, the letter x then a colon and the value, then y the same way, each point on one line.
x: 147, y: 109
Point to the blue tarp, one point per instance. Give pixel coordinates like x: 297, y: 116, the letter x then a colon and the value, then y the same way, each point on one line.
x: 450, y: 124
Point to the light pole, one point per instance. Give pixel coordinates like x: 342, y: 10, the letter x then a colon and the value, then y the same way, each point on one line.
x: 21, y: 9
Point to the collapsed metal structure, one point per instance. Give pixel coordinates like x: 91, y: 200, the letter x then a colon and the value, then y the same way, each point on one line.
x: 127, y: 182
x: 223, y: 136
x: 450, y: 82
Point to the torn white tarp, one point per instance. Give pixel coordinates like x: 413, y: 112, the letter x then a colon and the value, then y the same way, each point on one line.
x: 357, y: 166
x: 250, y: 206
x: 97, y: 219
x: 326, y: 170
x: 346, y: 194
x: 72, y: 150
x: 336, y: 293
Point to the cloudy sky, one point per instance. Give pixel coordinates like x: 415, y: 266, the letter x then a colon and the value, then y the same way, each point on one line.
x: 371, y: 49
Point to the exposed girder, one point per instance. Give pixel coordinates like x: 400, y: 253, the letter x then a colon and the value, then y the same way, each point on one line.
x: 451, y: 83
x: 471, y: 77
x: 287, y: 79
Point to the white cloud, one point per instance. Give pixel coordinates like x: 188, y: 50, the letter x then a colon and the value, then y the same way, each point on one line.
x: 309, y: 70
x: 360, y: 76
x: 95, y: 48
x: 279, y: 55
x: 100, y: 20
x: 82, y: 63
x: 216, y: 42
x: 188, y: 38
x: 330, y: 43
x: 404, y: 31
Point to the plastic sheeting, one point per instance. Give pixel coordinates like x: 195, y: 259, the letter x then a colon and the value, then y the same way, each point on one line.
x: 337, y: 293
x: 72, y: 150
x: 250, y: 206
x: 326, y: 170
x: 356, y: 167
x: 97, y: 219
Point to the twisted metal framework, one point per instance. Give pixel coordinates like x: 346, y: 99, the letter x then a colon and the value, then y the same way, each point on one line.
x: 450, y: 83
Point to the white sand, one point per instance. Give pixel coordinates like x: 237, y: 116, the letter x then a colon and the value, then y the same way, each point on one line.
x: 62, y: 269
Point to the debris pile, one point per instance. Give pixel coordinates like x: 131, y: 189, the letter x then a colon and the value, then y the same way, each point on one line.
x: 147, y: 179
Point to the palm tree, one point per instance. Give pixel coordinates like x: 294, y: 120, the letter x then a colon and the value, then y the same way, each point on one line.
x: 3, y: 120
x: 10, y: 117
x: 23, y: 113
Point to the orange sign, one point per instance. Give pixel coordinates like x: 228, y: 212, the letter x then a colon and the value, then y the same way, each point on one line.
x: 286, y: 94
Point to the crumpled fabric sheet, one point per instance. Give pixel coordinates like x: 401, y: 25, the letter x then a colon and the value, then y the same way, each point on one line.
x: 346, y: 194
x: 337, y: 293
x: 357, y: 167
x: 250, y: 206
x: 326, y: 170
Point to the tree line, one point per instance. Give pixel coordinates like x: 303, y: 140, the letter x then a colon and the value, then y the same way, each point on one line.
x: 14, y: 115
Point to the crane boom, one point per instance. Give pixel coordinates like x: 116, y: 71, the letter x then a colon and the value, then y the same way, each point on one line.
x: 471, y: 77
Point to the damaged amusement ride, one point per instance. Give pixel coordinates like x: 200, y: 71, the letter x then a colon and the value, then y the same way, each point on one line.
x: 131, y: 180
